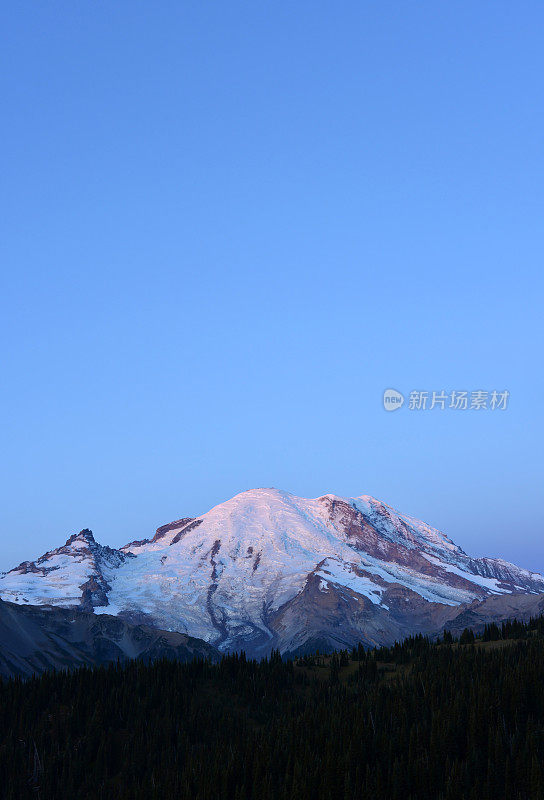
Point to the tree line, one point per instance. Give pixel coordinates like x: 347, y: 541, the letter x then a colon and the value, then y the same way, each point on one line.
x: 448, y: 719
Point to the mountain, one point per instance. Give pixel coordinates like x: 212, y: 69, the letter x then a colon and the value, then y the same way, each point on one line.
x: 38, y: 638
x: 268, y: 569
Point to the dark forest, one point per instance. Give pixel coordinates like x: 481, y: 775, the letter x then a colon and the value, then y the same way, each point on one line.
x: 446, y: 720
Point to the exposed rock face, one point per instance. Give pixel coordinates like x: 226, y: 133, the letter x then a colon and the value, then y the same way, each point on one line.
x: 37, y: 638
x: 160, y: 533
x: 269, y: 569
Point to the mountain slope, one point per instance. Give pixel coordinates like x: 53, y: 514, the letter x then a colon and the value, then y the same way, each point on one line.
x: 269, y: 569
x: 496, y: 609
x: 38, y: 638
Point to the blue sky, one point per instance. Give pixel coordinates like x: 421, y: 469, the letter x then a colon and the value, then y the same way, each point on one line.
x: 226, y: 228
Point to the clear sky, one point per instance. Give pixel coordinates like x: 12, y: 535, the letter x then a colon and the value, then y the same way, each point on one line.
x: 227, y: 227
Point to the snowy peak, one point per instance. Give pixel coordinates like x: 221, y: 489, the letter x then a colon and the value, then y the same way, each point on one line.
x: 84, y: 538
x: 74, y: 575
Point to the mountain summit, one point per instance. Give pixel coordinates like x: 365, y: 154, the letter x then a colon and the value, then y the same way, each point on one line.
x: 269, y: 569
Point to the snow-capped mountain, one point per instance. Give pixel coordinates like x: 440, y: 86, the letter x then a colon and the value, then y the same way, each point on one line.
x: 269, y: 569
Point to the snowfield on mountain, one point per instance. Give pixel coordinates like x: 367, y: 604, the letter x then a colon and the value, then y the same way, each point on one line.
x: 269, y: 569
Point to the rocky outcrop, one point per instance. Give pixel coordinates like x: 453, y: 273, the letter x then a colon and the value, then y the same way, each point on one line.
x: 160, y: 533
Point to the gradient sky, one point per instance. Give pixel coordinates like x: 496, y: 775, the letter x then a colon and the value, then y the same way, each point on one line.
x: 227, y: 227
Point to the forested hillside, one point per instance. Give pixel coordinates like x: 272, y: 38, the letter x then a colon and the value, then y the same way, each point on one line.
x: 421, y: 720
